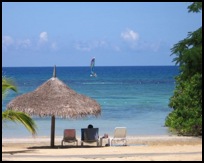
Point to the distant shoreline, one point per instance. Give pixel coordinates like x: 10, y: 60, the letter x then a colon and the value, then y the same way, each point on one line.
x: 88, y: 66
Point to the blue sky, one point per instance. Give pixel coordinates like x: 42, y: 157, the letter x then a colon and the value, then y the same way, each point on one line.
x: 71, y: 33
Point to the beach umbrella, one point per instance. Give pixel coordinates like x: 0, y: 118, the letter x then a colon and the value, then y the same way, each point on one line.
x: 54, y: 98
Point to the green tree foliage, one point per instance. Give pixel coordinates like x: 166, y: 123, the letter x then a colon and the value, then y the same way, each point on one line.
x: 15, y: 116
x: 195, y: 7
x: 186, y: 117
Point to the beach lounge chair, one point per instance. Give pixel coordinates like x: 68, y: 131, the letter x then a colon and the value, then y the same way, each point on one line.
x: 119, y: 135
x: 69, y: 136
x: 89, y: 135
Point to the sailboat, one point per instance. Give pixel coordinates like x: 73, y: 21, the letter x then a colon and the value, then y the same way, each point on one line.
x: 93, y: 74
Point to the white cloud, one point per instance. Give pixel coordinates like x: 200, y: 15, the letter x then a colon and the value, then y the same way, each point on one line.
x: 19, y: 44
x: 54, y: 46
x: 90, y: 45
x: 82, y: 46
x: 134, y: 43
x: 23, y: 43
x: 7, y: 41
x: 130, y: 35
x: 151, y: 46
x: 43, y: 37
x: 116, y: 48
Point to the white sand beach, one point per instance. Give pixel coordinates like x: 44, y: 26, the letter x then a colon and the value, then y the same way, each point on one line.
x: 146, y: 148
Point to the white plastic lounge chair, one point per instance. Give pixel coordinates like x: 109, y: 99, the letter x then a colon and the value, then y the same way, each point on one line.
x: 69, y: 136
x: 119, y: 135
x: 89, y: 135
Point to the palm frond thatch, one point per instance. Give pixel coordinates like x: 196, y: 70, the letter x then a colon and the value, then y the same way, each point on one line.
x: 55, y: 98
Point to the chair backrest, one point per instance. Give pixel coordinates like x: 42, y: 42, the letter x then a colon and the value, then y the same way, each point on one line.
x: 69, y: 134
x: 120, y: 132
x: 89, y: 134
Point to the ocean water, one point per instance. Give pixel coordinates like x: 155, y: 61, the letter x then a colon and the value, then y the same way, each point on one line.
x: 135, y: 97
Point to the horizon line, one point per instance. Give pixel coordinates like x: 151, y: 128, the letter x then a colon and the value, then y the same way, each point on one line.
x: 95, y: 66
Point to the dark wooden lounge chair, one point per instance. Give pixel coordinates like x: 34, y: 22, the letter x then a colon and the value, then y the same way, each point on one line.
x: 89, y: 135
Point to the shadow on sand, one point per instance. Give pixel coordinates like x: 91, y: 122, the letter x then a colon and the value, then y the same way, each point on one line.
x: 64, y: 147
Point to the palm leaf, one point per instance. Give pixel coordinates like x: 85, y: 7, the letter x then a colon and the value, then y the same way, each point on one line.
x: 20, y: 117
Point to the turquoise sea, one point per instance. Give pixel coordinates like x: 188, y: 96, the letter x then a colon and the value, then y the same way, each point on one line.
x: 135, y: 97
